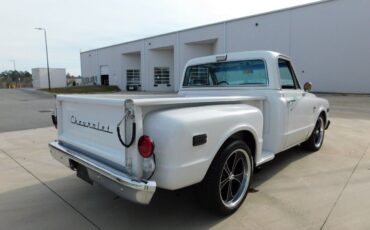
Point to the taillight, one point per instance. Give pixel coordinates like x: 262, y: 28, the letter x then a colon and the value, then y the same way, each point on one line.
x: 55, y: 121
x: 146, y: 146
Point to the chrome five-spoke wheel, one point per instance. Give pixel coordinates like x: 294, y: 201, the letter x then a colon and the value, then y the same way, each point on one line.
x: 235, y: 178
x: 319, y: 132
x: 316, y: 139
x: 227, y: 181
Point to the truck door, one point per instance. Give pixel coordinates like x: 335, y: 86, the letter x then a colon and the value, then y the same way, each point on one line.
x: 296, y: 105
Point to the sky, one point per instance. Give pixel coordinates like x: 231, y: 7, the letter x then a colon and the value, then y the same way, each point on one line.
x: 79, y: 25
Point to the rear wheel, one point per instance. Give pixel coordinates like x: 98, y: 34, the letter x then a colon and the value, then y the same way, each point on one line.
x: 227, y: 181
x: 316, y: 139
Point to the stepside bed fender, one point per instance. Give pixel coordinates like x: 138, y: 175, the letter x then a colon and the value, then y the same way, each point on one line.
x: 181, y: 163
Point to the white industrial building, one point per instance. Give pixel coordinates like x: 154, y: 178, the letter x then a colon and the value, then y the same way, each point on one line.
x: 329, y: 42
x: 40, y: 78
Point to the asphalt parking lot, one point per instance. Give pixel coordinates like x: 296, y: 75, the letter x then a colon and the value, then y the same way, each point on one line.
x: 328, y: 189
x: 22, y: 109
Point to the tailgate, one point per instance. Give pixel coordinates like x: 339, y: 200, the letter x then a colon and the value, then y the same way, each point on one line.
x: 89, y: 126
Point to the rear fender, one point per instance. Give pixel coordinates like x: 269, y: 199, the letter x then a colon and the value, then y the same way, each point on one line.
x: 257, y: 139
x: 179, y: 162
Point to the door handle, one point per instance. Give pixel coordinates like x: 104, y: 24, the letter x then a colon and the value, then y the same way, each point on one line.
x: 290, y: 103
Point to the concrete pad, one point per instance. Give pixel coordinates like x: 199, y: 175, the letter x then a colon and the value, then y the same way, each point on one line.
x: 353, y: 208
x: 27, y: 140
x: 27, y: 204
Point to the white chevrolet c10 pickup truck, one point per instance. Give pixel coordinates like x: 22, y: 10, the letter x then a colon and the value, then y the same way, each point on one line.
x: 233, y: 112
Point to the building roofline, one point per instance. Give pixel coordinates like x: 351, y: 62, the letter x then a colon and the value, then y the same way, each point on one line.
x: 46, y: 68
x: 215, y: 23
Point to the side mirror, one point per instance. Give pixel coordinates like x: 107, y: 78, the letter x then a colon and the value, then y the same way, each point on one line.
x: 307, y: 86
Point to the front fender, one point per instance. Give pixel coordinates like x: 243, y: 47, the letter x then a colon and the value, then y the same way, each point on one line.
x: 323, y: 107
x: 178, y: 162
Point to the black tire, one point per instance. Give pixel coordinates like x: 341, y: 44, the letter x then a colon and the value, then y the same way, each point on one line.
x: 224, y: 192
x: 316, y: 138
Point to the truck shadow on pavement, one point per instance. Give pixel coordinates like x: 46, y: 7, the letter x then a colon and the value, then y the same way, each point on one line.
x: 281, y: 160
x: 71, y: 199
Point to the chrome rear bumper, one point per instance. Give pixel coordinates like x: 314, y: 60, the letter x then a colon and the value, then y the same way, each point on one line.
x: 136, y: 190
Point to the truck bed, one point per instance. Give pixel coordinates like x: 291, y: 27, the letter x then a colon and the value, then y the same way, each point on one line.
x: 89, y: 122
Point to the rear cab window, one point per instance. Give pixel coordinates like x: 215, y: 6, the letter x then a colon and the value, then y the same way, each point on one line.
x: 227, y: 74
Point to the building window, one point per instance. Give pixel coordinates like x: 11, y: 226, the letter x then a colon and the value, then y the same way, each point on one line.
x: 161, y: 76
x: 89, y: 80
x: 133, y: 77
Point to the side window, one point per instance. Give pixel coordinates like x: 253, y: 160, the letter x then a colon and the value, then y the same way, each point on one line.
x: 287, y: 76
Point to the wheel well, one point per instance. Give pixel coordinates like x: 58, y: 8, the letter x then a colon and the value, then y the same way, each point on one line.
x: 245, y: 136
x: 323, y: 114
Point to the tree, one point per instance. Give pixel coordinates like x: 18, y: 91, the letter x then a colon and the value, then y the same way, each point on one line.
x: 15, y: 77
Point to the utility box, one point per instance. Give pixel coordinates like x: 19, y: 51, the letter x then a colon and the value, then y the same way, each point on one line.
x: 57, y: 78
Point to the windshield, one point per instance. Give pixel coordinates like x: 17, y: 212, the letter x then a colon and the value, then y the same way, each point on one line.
x: 223, y: 74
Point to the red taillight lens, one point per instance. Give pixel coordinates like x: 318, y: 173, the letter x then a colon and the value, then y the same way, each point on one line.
x: 146, y: 146
x: 55, y: 121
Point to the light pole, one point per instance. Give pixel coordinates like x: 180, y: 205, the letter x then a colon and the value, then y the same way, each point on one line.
x: 13, y: 64
x: 14, y: 69
x: 47, y: 54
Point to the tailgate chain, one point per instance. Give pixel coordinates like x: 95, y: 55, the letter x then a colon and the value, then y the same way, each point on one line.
x: 129, y: 114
